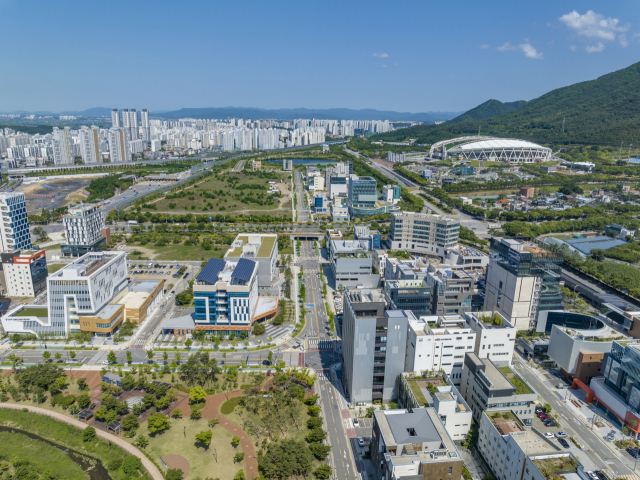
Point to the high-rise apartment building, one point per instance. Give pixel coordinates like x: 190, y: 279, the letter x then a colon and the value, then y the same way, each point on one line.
x: 422, y: 233
x: 116, y: 122
x: 119, y: 149
x: 523, y: 278
x: 62, y: 146
x: 14, y: 234
x: 134, y: 125
x: 83, y: 227
x: 126, y: 121
x: 146, y: 126
x: 90, y: 145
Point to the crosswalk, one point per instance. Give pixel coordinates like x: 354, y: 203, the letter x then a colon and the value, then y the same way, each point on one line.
x: 316, y: 344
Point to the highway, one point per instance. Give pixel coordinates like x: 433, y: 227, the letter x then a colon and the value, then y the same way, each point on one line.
x: 402, y: 181
x: 302, y: 209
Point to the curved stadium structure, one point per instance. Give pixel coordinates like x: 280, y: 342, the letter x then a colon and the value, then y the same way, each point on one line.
x: 502, y: 150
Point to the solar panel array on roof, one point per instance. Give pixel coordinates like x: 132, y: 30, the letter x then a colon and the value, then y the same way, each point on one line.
x: 585, y: 245
x: 244, y: 269
x: 211, y: 270
x: 616, y: 301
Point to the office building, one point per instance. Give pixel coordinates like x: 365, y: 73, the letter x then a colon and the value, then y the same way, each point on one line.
x: 23, y: 273
x: 439, y: 344
x: 495, y: 336
x: 84, y: 230
x: 461, y: 257
x: 146, y: 127
x: 90, y: 145
x: 527, y: 192
x: 422, y: 233
x: 489, y: 388
x: 315, y: 181
x: 451, y: 291
x: 119, y: 149
x: 523, y: 279
x: 15, y: 233
x: 226, y: 295
x: 140, y: 299
x: 351, y: 264
x: 62, y: 146
x: 413, y: 444
x: 262, y: 249
x: 116, y: 121
x: 338, y: 186
x: 370, y: 331
x: 372, y: 237
x: 362, y: 191
x: 447, y: 401
x: 391, y: 193
x: 339, y: 213
x: 414, y: 295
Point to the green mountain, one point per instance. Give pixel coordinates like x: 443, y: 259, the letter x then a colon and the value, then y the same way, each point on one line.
x: 605, y: 111
x: 488, y: 109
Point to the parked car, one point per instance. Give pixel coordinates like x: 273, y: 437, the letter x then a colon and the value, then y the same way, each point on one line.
x: 563, y: 442
x: 360, y: 441
x: 548, y: 435
x: 355, y: 422
x: 551, y: 424
x: 562, y: 435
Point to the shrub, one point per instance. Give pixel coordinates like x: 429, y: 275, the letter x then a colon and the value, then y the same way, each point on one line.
x: 88, y: 434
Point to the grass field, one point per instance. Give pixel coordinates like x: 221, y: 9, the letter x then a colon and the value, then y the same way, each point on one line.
x: 53, y: 268
x: 230, y: 193
x: 176, y: 252
x: 180, y: 439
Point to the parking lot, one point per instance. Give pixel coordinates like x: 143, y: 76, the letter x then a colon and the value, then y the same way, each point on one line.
x: 158, y: 270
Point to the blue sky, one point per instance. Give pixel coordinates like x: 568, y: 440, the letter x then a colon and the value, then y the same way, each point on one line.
x: 404, y: 56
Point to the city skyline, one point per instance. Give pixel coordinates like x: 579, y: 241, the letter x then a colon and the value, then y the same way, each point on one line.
x: 422, y: 63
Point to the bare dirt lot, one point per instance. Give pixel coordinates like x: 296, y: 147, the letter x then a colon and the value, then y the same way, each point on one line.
x: 63, y: 191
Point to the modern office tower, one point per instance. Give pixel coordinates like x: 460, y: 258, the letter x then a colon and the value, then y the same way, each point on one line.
x: 422, y: 233
x: 352, y: 264
x: 362, y: 191
x: 391, y: 193
x: 451, y: 291
x: 373, y: 345
x: 116, y: 122
x: 90, y: 145
x: 262, y: 249
x: 146, y: 126
x: 134, y: 125
x: 414, y: 444
x: 489, y: 387
x: 119, y: 149
x: 523, y: 279
x: 14, y: 234
x: 83, y: 227
x: 414, y: 295
x: 495, y: 336
x: 23, y: 273
x: 226, y: 295
x: 62, y: 146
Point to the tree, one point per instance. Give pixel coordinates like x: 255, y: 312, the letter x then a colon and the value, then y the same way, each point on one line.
x: 88, y: 434
x: 270, y: 356
x: 235, y: 441
x: 150, y: 354
x: 311, y: 400
x: 174, y: 474
x: 213, y: 422
x: 319, y: 450
x: 280, y: 366
x: 72, y: 354
x: 546, y: 408
x: 204, y: 437
x: 314, y: 422
x: 323, y: 472
x: 83, y: 400
x: 177, y: 413
x: 393, y: 405
x: 131, y: 465
x: 238, y: 457
x: 46, y: 355
x: 157, y: 422
x: 42, y: 375
x: 130, y: 422
x: 165, y: 357
x: 129, y: 357
x: 196, y: 414
x: 316, y: 435
x: 239, y: 475
x: 82, y: 383
x: 259, y: 329
x: 58, y: 356
x: 111, y: 357
x: 197, y: 394
x: 15, y: 360
x: 313, y: 410
x: 370, y: 412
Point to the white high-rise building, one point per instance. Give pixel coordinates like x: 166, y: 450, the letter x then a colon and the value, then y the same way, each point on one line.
x: 134, y: 126
x: 146, y: 128
x: 119, y: 150
x: 62, y: 146
x: 14, y: 233
x: 115, y: 118
x: 83, y: 225
x: 90, y: 145
x: 126, y: 121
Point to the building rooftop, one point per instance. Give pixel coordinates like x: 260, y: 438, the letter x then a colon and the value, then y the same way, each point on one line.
x: 182, y: 322
x: 340, y: 247
x: 32, y: 311
x: 551, y: 466
x: 365, y: 295
x: 106, y: 312
x: 81, y: 210
x: 259, y: 246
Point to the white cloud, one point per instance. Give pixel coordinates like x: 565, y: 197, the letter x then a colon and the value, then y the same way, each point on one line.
x: 507, y: 46
x: 380, y: 55
x: 384, y: 66
x: 484, y: 45
x: 572, y: 48
x: 597, y: 48
x: 623, y: 40
x: 530, y: 51
x: 593, y: 25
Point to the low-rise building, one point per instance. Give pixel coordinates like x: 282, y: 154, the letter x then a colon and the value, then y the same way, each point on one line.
x: 140, y: 299
x: 422, y: 233
x: 379, y: 257
x: 352, y: 264
x: 262, y: 249
x: 391, y: 193
x: 451, y: 291
x: 489, y: 388
x: 414, y: 295
x: 528, y: 192
x: 23, y: 273
x: 461, y: 257
x: 495, y: 336
x: 412, y: 444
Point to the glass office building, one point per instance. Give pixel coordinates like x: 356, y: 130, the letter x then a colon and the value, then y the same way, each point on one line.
x: 362, y: 192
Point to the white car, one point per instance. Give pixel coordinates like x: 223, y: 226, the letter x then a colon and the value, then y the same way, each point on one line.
x: 360, y: 441
x: 355, y: 422
x: 549, y: 435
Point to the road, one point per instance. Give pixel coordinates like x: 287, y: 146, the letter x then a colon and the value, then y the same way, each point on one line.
x: 599, y: 452
x: 402, y: 181
x: 320, y: 355
x: 302, y: 208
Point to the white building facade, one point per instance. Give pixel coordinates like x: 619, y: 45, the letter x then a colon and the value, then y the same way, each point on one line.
x: 14, y: 233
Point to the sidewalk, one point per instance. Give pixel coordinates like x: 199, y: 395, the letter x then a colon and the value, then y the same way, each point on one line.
x: 126, y: 446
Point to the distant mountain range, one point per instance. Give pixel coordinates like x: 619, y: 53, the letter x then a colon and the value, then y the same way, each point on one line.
x: 604, y: 111
x: 278, y: 114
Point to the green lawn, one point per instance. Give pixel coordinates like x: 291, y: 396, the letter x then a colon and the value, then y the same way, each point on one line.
x: 53, y: 268
x: 417, y: 393
x: 516, y: 381
x: 177, y: 252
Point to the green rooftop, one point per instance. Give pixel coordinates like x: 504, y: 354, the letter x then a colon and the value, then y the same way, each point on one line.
x: 266, y: 246
x: 552, y: 467
x: 33, y: 312
x: 521, y: 387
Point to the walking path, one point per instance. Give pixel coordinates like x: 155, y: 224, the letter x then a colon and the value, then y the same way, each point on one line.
x: 212, y: 410
x: 148, y: 464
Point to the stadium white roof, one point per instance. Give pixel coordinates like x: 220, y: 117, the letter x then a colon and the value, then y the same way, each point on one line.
x: 498, y: 143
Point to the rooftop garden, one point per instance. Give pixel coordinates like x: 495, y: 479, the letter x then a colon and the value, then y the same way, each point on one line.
x: 494, y: 319
x: 402, y: 255
x: 33, y: 312
x: 415, y: 389
x: 551, y: 468
x: 508, y: 416
x: 521, y: 387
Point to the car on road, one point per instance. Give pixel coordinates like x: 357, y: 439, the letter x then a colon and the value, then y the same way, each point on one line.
x: 561, y: 434
x: 633, y: 452
x: 360, y: 441
x: 266, y: 362
x: 563, y: 442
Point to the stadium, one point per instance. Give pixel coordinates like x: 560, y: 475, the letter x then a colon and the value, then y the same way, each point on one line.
x: 494, y: 149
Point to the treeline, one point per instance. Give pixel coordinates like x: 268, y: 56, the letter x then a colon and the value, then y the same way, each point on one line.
x: 105, y: 187
x: 591, y: 223
x: 168, y: 218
